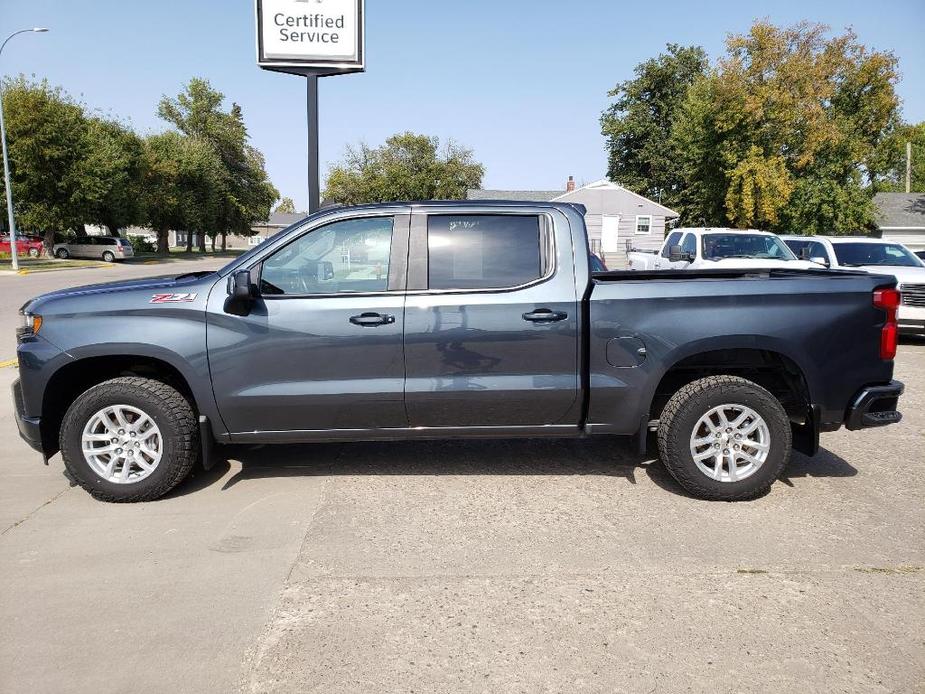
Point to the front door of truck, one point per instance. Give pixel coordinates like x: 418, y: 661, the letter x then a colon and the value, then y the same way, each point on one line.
x: 491, y: 321
x: 321, y: 347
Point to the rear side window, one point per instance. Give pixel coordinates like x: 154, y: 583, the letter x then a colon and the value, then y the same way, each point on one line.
x: 483, y: 251
x: 107, y: 242
x: 672, y: 240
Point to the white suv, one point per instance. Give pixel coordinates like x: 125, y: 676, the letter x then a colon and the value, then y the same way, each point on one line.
x: 877, y: 256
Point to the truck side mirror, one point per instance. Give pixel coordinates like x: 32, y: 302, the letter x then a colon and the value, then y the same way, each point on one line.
x: 819, y: 261
x: 675, y: 255
x: 241, y: 293
x: 240, y: 288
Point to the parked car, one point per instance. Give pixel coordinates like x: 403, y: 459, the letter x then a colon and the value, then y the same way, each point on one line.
x: 461, y: 319
x: 108, y: 248
x: 696, y: 249
x: 872, y: 255
x: 25, y: 245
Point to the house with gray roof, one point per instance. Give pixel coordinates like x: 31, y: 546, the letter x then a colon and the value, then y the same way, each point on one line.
x: 901, y: 217
x: 617, y: 218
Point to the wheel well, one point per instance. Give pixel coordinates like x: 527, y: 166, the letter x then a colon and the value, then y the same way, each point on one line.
x: 777, y: 373
x: 73, y: 379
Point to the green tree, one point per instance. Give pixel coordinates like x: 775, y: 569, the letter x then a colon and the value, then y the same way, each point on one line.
x: 111, y: 172
x: 179, y: 191
x: 788, y: 131
x: 638, y: 124
x: 406, y: 167
x: 47, y: 140
x: 895, y: 177
x: 245, y: 192
x: 285, y: 206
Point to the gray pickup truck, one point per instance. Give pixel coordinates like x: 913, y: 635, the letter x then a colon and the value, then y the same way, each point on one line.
x: 452, y: 319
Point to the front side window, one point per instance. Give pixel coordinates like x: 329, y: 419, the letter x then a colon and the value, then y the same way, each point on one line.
x: 347, y: 256
x: 483, y: 251
x: 673, y: 238
x: 643, y: 224
x: 887, y: 254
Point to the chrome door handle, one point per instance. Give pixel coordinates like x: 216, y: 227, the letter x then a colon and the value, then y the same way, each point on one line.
x: 371, y: 320
x: 544, y: 315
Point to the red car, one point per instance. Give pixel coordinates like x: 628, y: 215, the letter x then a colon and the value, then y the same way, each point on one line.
x: 25, y: 245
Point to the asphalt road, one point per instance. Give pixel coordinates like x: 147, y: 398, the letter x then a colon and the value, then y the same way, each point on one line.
x: 531, y: 566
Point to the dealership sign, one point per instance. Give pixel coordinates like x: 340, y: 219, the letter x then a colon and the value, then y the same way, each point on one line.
x: 320, y: 37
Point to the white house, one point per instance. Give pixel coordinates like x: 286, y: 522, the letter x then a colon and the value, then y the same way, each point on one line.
x: 617, y: 218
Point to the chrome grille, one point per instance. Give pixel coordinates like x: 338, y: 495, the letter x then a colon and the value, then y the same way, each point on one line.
x: 913, y: 294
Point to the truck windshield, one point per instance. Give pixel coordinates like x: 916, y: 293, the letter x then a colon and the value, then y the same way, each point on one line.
x: 720, y: 246
x: 889, y: 254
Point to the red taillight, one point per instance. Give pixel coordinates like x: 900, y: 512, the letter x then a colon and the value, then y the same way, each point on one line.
x: 888, y: 300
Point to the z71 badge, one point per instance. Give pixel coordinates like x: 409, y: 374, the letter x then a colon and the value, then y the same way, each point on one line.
x: 172, y: 298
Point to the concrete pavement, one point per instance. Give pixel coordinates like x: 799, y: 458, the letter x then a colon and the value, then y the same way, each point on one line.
x: 527, y: 566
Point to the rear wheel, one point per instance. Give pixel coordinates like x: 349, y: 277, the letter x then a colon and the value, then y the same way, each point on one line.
x: 129, y: 439
x: 62, y: 253
x: 109, y: 256
x: 724, y: 438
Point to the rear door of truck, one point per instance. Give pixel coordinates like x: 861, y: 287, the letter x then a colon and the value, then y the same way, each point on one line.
x: 491, y: 319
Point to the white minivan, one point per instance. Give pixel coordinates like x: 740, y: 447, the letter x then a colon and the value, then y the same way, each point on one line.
x: 108, y: 248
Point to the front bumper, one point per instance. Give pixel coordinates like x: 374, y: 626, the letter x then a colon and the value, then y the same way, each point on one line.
x: 911, y: 319
x: 30, y: 428
x: 875, y: 406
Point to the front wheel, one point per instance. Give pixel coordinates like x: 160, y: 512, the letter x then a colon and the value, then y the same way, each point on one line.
x: 129, y: 439
x: 724, y: 438
x: 62, y: 254
x: 33, y: 252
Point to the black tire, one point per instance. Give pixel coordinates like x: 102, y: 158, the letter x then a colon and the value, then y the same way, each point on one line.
x: 693, y: 401
x: 33, y: 252
x: 173, y: 415
x: 62, y: 254
x: 109, y: 256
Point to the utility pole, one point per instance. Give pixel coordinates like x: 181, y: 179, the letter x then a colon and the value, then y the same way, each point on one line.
x: 14, y: 256
x: 908, y: 167
x: 314, y: 183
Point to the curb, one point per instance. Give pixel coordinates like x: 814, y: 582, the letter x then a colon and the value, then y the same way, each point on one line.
x: 27, y: 271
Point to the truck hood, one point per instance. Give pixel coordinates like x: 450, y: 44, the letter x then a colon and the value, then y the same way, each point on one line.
x: 903, y: 275
x: 757, y: 263
x: 183, y: 283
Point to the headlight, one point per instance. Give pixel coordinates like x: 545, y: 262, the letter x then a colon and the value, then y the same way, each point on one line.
x: 31, y: 323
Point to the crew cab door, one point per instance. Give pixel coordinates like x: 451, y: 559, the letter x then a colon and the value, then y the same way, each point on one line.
x: 321, y: 347
x: 491, y: 320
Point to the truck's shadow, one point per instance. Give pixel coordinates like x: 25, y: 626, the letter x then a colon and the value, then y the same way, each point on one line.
x: 613, y: 457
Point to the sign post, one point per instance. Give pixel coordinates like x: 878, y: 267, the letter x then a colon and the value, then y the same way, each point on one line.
x: 313, y: 38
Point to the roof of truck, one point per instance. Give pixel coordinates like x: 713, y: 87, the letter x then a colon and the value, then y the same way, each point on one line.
x: 722, y: 230
x: 838, y: 239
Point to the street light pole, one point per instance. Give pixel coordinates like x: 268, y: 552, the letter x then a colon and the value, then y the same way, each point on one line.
x: 6, y: 161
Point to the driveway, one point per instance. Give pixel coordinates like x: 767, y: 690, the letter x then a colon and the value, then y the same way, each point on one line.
x: 469, y: 567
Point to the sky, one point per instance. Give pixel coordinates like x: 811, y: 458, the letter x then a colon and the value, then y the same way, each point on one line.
x: 520, y: 82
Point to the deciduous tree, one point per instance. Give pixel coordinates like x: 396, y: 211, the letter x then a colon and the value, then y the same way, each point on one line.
x: 407, y: 167
x: 641, y: 154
